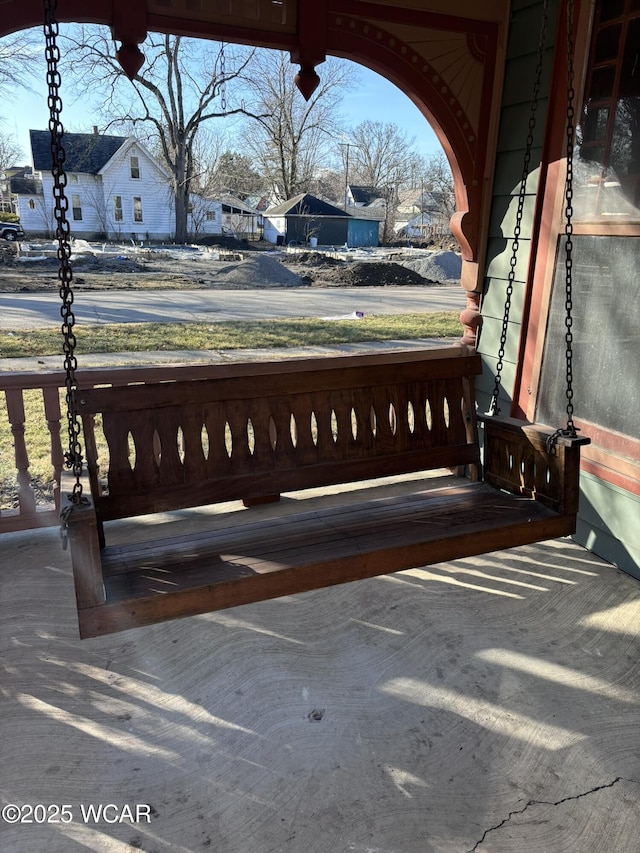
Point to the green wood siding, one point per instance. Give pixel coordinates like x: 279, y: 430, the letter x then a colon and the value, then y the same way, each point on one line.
x: 609, y: 523
x: 512, y: 137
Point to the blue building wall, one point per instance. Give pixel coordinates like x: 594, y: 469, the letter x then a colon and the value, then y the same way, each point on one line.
x: 362, y: 232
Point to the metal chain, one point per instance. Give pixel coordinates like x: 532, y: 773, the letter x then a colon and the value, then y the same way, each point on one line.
x: 73, y: 456
x: 494, y: 409
x: 570, y: 431
x: 223, y: 83
x: 568, y: 229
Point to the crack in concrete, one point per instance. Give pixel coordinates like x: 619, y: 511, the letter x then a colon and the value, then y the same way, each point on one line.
x: 548, y: 803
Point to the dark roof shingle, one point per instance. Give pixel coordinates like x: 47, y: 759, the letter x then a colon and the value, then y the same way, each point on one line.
x: 365, y: 195
x: 305, y: 205
x: 84, y: 152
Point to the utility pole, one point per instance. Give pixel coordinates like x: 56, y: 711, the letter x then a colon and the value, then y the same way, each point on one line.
x: 346, y: 177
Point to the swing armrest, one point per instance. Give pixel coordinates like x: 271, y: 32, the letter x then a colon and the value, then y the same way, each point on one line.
x: 518, y: 459
x: 82, y: 535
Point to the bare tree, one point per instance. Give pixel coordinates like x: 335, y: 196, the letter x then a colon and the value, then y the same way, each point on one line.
x: 19, y: 55
x: 437, y: 181
x: 10, y: 151
x: 381, y: 154
x: 176, y: 92
x: 291, y: 135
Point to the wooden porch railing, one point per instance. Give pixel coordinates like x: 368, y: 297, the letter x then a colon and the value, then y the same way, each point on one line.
x: 31, y: 511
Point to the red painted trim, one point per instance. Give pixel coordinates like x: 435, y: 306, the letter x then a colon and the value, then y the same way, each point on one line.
x: 129, y: 22
x: 608, y: 475
x: 547, y: 216
x: 614, y: 442
x: 278, y: 40
x: 22, y: 14
x: 312, y: 33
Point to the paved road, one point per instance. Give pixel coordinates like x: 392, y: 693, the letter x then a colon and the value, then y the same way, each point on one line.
x: 37, y: 310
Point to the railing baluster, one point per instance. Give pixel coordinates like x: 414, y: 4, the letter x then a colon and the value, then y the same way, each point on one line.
x: 53, y: 415
x: 15, y: 410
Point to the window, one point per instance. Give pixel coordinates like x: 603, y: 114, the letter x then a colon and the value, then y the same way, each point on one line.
x: 117, y: 208
x: 76, y: 207
x: 135, y: 167
x: 211, y: 215
x: 32, y: 204
x: 608, y: 169
x: 73, y: 179
x: 137, y: 209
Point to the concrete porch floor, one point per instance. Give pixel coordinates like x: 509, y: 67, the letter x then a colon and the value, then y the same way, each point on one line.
x: 486, y: 705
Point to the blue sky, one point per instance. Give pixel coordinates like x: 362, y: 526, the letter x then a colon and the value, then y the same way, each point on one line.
x: 373, y: 98
x: 377, y: 99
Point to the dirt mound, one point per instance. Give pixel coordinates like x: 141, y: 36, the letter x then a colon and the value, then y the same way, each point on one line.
x: 316, y: 259
x: 372, y: 275
x: 225, y: 241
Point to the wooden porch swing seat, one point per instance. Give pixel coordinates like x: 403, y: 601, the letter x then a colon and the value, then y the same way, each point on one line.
x: 254, y: 431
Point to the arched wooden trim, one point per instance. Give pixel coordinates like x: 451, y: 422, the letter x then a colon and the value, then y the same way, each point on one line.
x: 372, y: 44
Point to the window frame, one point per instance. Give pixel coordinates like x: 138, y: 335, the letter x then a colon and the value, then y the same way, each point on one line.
x: 76, y: 207
x: 134, y: 168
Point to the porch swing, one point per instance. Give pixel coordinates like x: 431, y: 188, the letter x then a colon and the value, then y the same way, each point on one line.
x: 252, y: 432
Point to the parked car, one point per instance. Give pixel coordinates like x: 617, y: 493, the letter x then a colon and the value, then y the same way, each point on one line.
x: 11, y: 231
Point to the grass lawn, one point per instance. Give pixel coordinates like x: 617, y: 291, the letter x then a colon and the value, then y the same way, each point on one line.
x: 258, y: 334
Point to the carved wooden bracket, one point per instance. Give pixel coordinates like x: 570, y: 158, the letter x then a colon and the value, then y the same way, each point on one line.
x: 312, y: 45
x: 130, y: 29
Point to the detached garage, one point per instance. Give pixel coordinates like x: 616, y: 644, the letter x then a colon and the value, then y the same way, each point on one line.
x: 305, y: 219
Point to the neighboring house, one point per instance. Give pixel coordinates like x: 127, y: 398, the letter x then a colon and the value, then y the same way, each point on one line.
x: 204, y: 217
x: 26, y: 193
x: 115, y: 188
x: 368, y: 203
x: 422, y: 212
x: 359, y: 196
x: 6, y: 199
x: 305, y: 219
x: 418, y: 227
x: 240, y: 219
x: 226, y: 215
x: 258, y: 202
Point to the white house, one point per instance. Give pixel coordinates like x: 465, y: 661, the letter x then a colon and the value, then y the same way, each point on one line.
x: 423, y: 213
x: 115, y: 189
